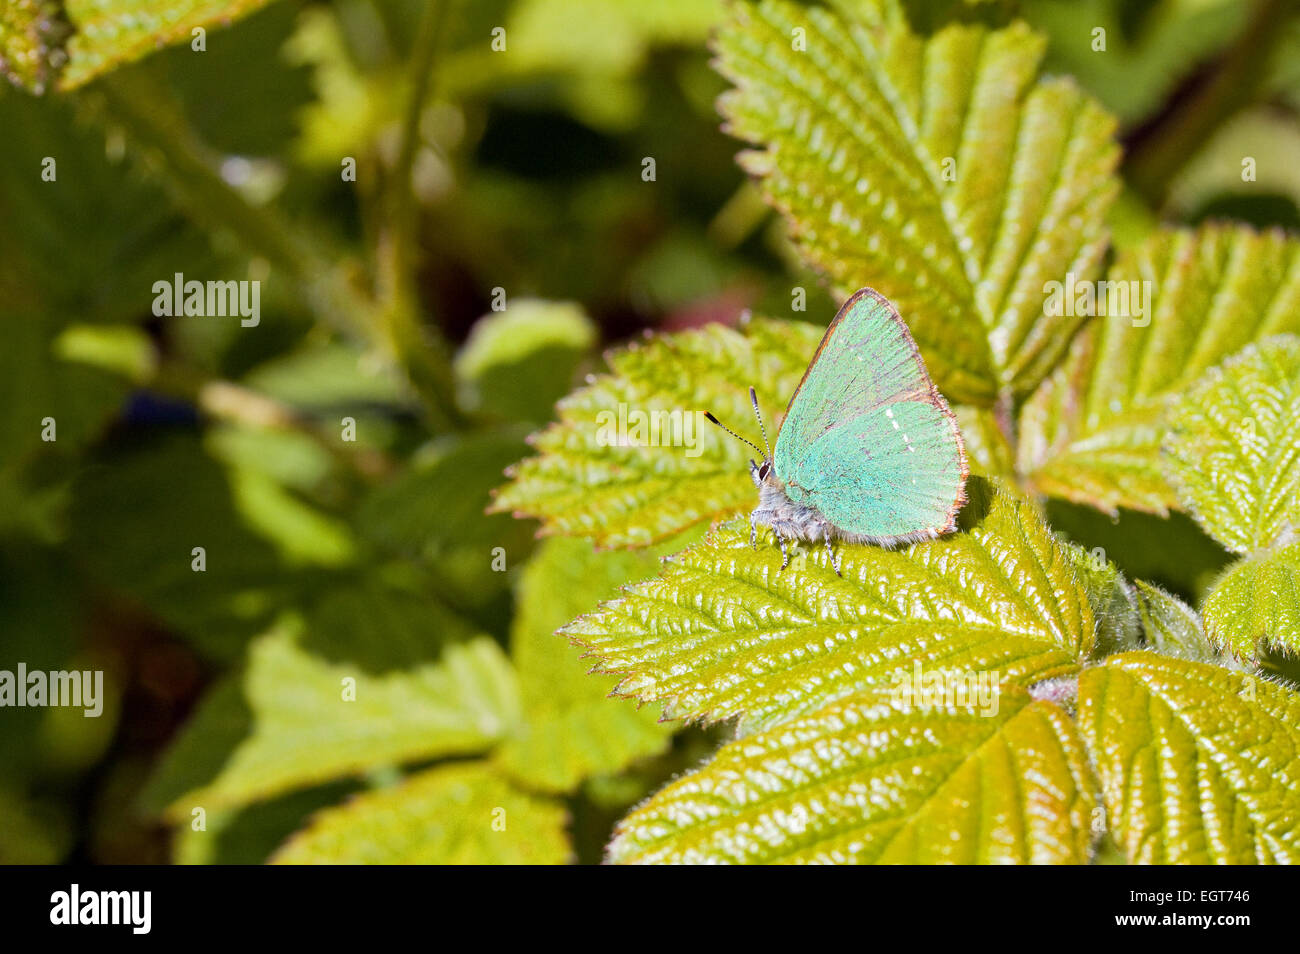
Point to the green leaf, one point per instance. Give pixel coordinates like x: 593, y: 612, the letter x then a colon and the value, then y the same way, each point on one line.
x: 869, y: 779
x: 940, y: 171
x: 1234, y: 448
x: 1255, y: 606
x: 571, y: 730
x: 517, y: 363
x: 135, y: 526
x: 457, y: 815
x: 722, y: 633
x: 285, y: 723
x: 632, y: 461
x: 33, y: 34
x: 1092, y: 432
x: 1171, y: 627
x: 1195, y: 761
x: 110, y: 33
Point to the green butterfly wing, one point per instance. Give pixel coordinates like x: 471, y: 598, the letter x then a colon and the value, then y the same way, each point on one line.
x: 867, y: 439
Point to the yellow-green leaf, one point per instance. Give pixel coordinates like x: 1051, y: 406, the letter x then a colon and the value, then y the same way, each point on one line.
x: 943, y: 172
x: 110, y: 33
x: 1171, y: 627
x: 724, y: 632
x: 456, y: 815
x: 571, y: 729
x: 870, y: 779
x: 632, y: 460
x: 1197, y: 763
x: 290, y: 721
x: 1234, y: 449
x: 1255, y: 605
x: 1092, y: 432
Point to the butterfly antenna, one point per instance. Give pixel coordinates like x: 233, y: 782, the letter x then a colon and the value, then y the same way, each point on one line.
x: 710, y: 416
x: 753, y: 399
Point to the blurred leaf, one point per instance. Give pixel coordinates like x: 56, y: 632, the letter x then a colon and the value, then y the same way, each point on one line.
x: 600, y: 474
x: 248, y: 835
x: 36, y: 383
x: 1171, y: 627
x: 1138, y: 69
x: 135, y: 522
x: 571, y: 730
x: 1194, y: 760
x: 331, y: 376
x: 519, y: 362
x: 89, y: 245
x: 291, y: 726
x: 33, y: 34
x: 723, y: 632
x: 436, y: 507
x: 113, y: 32
x: 941, y: 172
x: 35, y: 832
x: 1215, y: 177
x: 1234, y: 447
x: 870, y: 780
x: 456, y: 815
x: 1092, y: 431
x: 1256, y: 605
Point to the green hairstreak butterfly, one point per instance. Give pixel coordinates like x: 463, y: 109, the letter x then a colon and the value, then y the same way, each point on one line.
x: 869, y: 451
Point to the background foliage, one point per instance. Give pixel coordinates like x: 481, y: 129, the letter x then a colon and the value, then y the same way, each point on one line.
x: 1119, y: 501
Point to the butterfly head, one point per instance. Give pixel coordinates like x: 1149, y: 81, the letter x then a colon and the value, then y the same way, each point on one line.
x: 758, y: 472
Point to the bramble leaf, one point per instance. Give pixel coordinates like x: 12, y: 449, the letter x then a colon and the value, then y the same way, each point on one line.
x: 632, y: 461
x: 722, y: 633
x: 1234, y: 448
x: 110, y: 33
x: 1092, y: 432
x: 1255, y: 605
x: 942, y: 172
x: 1171, y: 627
x: 868, y: 779
x: 1195, y: 761
x: 571, y: 730
x: 454, y: 815
x: 289, y: 723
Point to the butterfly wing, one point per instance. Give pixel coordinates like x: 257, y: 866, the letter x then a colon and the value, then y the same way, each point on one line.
x: 867, y: 439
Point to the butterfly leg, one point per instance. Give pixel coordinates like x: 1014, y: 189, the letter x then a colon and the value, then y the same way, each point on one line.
x: 785, y: 552
x: 831, y: 553
x: 753, y: 531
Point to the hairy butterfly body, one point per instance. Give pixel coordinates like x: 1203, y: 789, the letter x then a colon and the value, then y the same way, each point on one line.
x: 869, y: 451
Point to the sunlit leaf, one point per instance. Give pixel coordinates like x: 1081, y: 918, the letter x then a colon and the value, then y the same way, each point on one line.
x: 110, y: 33
x: 519, y: 362
x: 1196, y: 762
x: 458, y: 815
x: 571, y: 730
x: 1234, y: 447
x: 942, y: 172
x: 1092, y: 431
x: 632, y: 460
x: 870, y: 779
x: 287, y: 722
x: 722, y: 632
x: 1255, y: 606
x: 1171, y: 627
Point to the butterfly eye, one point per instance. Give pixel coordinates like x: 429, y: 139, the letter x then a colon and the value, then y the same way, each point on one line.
x: 762, y: 471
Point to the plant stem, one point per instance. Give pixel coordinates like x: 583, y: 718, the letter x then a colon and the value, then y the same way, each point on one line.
x: 1162, y: 150
x: 421, y: 351
x: 157, y: 127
